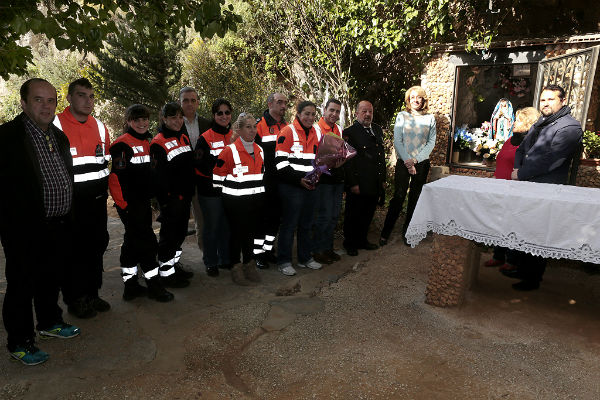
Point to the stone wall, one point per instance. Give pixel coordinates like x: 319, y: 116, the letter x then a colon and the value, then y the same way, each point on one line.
x: 588, y: 176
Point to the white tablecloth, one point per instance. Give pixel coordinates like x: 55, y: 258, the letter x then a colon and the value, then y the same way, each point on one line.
x: 554, y: 221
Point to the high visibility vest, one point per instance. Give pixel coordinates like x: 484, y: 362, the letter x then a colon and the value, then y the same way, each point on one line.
x: 300, y: 154
x: 322, y: 128
x: 90, y: 160
x: 173, y: 146
x: 268, y: 133
x: 240, y: 175
x: 140, y: 148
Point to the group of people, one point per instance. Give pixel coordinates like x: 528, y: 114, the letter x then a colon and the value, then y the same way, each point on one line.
x: 243, y: 179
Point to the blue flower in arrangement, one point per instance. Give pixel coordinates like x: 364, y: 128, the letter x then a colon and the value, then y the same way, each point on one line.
x: 463, y: 137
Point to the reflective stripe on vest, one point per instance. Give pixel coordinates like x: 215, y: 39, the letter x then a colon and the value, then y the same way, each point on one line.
x: 141, y: 159
x: 85, y: 160
x: 297, y: 153
x: 238, y: 176
x: 269, y: 138
x: 174, y: 149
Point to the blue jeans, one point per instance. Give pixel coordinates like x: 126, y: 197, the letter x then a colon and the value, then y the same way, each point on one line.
x: 329, y: 206
x: 215, y: 232
x: 297, y: 215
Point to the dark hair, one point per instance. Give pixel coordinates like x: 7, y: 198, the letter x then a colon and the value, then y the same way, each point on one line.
x: 556, y: 88
x: 24, y: 91
x: 218, y: 103
x: 171, y: 109
x: 134, y: 112
x: 79, y: 82
x: 303, y: 104
x: 334, y: 101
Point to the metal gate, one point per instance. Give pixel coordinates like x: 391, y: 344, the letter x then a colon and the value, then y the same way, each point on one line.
x: 575, y: 73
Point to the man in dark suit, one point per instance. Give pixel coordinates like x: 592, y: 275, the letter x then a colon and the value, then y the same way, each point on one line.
x: 545, y: 156
x: 364, y: 177
x: 36, y: 175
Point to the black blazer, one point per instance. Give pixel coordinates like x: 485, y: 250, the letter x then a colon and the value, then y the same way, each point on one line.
x: 22, y: 200
x: 367, y: 168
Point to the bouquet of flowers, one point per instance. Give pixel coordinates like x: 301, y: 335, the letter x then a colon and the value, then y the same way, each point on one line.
x: 333, y: 151
x: 488, y: 148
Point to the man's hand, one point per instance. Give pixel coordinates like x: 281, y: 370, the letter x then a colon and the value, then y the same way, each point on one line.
x: 355, y: 190
x: 514, y: 174
x: 306, y: 184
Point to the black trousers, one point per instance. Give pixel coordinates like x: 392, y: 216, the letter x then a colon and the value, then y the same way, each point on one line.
x: 246, y: 223
x: 402, y: 182
x: 358, y: 215
x: 173, y: 220
x: 139, y: 241
x: 90, y: 240
x: 33, y: 272
x: 531, y: 267
x: 272, y: 219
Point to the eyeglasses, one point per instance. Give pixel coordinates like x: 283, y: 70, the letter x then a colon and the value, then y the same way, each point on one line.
x: 220, y: 113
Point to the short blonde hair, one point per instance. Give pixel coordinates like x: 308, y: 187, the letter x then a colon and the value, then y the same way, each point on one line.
x: 421, y: 92
x: 241, y: 120
x: 524, y: 118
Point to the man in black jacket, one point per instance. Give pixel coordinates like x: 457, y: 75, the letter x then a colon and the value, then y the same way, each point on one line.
x: 545, y: 156
x: 364, y: 177
x: 35, y: 228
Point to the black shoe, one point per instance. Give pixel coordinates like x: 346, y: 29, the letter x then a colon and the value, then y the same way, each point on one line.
x: 323, y: 258
x: 212, y: 271
x: 369, y: 246
x: 157, y: 291
x: 351, y: 251
x: 383, y: 241
x: 182, y: 273
x: 226, y: 266
x: 262, y: 264
x: 525, y: 286
x: 81, y: 308
x: 133, y: 289
x: 333, y: 255
x: 174, y: 281
x: 271, y: 257
x: 514, y: 274
x: 98, y: 304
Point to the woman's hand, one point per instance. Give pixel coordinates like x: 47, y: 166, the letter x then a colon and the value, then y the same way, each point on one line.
x: 306, y: 184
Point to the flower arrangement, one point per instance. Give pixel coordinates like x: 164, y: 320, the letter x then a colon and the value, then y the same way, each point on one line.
x: 463, y: 138
x: 591, y: 144
x: 488, y: 149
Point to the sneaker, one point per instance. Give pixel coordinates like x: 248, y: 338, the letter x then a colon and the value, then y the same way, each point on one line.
x: 333, y: 255
x: 179, y: 270
x: 312, y: 264
x: 212, y: 270
x: 61, y: 330
x: 287, y: 269
x: 81, y: 308
x: 28, y: 354
x: 96, y: 303
x: 323, y: 258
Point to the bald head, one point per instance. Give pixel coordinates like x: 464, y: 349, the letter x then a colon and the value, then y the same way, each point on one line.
x: 364, y: 113
x: 38, y: 100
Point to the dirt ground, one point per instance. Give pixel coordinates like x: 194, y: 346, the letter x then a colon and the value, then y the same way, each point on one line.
x: 358, y: 329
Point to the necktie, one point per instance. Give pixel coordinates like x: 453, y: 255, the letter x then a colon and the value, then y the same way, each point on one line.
x: 370, y: 132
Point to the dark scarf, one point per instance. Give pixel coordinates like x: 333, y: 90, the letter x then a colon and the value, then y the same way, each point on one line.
x: 517, y: 138
x: 138, y: 136
x: 306, y: 130
x: 223, y: 130
x: 270, y: 120
x: 545, y: 121
x: 169, y: 133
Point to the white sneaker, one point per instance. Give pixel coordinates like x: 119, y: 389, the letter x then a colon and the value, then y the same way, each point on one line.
x: 312, y: 264
x: 287, y: 269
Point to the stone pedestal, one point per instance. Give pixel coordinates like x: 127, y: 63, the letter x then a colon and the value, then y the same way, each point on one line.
x: 454, y: 267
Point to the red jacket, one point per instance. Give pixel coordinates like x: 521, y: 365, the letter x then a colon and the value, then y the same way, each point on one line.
x: 295, y: 151
x: 237, y: 173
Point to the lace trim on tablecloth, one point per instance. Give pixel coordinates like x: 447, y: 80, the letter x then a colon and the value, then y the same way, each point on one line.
x: 416, y: 233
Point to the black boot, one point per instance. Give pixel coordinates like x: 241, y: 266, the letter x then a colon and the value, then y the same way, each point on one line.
x: 182, y: 272
x: 157, y: 291
x: 133, y: 289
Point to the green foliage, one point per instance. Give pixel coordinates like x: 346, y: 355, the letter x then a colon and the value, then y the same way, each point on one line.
x: 57, y: 67
x: 83, y: 25
x: 134, y: 69
x: 226, y: 68
x: 591, y: 144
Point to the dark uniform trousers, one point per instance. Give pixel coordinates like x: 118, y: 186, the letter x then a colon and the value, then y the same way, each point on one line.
x: 358, y: 215
x: 139, y: 242
x: 84, y: 276
x: 246, y: 221
x: 33, y: 271
x: 173, y: 226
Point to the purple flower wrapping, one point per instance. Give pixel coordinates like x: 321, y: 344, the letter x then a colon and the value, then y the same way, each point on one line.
x: 331, y: 152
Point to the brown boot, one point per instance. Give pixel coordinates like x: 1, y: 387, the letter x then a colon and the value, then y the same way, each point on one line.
x: 250, y: 272
x: 237, y: 275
